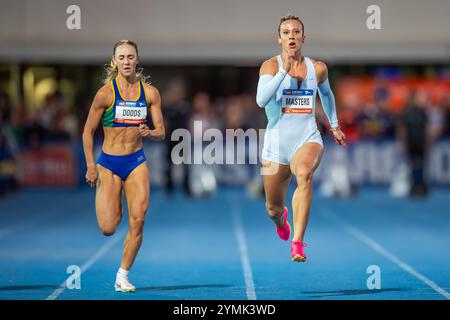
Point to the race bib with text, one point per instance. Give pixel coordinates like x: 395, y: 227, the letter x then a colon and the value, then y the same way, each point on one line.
x: 131, y: 112
x: 298, y: 101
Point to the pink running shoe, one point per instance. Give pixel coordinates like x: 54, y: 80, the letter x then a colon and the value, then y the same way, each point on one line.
x: 297, y: 253
x: 285, y: 231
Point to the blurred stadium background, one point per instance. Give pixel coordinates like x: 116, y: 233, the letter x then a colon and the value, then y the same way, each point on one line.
x: 204, y: 57
x: 207, y: 54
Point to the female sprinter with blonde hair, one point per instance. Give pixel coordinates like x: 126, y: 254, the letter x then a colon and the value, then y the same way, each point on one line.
x: 287, y: 89
x: 121, y: 106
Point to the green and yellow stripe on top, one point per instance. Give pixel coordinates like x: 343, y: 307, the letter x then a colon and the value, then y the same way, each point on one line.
x: 108, y: 115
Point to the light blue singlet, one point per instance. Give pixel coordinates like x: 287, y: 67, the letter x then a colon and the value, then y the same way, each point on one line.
x: 291, y: 117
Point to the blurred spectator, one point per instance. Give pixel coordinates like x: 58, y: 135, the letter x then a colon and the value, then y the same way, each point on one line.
x: 59, y: 130
x: 369, y: 123
x: 202, y: 180
x: 176, y: 114
x: 55, y: 117
x: 385, y: 115
x: 235, y: 114
x: 413, y: 134
x: 376, y: 121
x: 437, y: 124
x: 446, y: 110
x: 203, y: 114
x: 18, y: 122
x: 253, y: 116
x: 202, y: 110
x: 8, y: 166
x: 381, y: 91
x: 5, y: 107
x: 47, y: 112
x: 8, y: 149
x: 35, y: 133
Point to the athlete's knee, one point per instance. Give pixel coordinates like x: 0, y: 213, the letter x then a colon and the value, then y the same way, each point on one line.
x: 108, y: 229
x: 108, y: 226
x: 139, y: 210
x: 274, y: 209
x: 108, y: 232
x: 137, y: 225
x: 304, y: 176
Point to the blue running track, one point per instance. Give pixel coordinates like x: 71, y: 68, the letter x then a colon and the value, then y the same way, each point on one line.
x: 225, y: 247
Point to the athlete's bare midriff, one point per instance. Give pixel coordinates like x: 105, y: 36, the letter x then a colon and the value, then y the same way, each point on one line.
x: 121, y: 140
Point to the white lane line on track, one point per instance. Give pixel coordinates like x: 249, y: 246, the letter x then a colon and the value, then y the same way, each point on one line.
x: 242, y: 243
x: 361, y: 236
x: 112, y: 241
x: 108, y: 245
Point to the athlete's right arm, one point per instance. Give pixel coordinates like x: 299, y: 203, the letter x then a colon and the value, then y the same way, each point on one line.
x: 101, y: 101
x: 269, y: 81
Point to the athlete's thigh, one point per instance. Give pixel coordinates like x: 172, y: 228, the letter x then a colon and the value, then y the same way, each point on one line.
x: 108, y: 195
x: 137, y: 190
x: 307, y: 158
x: 276, y: 180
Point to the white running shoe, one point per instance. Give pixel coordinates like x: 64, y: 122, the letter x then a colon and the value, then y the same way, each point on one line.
x: 123, y: 285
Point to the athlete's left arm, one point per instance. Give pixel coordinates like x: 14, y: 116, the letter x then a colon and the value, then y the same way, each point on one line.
x: 154, y: 101
x: 328, y: 101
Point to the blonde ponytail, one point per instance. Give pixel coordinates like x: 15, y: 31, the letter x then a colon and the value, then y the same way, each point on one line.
x: 111, y: 72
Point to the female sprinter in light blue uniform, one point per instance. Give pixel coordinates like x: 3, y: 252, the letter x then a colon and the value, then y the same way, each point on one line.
x: 287, y: 89
x: 121, y: 106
